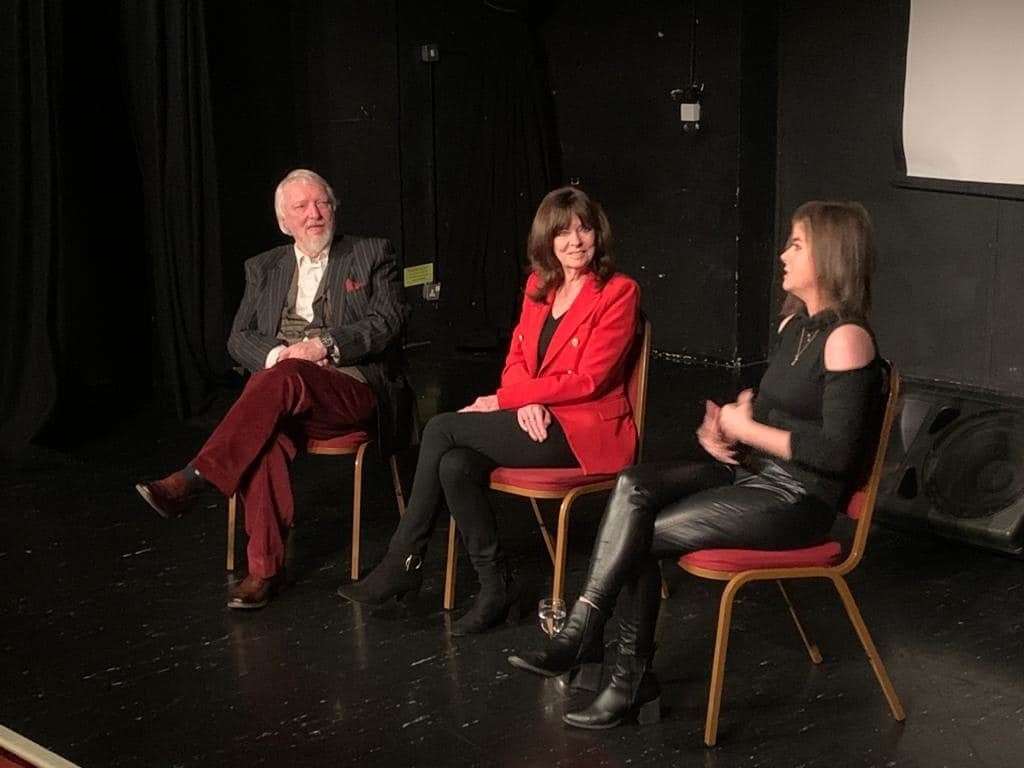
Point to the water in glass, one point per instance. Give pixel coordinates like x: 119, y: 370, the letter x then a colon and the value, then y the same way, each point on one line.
x: 551, y: 612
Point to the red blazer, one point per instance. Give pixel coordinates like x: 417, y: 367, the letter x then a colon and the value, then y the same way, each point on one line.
x: 582, y: 379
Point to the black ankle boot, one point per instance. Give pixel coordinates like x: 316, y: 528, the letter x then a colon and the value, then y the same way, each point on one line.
x: 579, y: 644
x: 397, y: 575
x: 634, y: 689
x: 497, y: 601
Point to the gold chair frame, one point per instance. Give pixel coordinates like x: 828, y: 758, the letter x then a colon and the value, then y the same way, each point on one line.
x: 557, y: 549
x: 737, y: 579
x: 319, y: 448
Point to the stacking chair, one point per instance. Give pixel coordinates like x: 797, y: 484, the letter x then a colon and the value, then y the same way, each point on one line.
x: 350, y: 443
x: 741, y: 566
x: 568, y: 485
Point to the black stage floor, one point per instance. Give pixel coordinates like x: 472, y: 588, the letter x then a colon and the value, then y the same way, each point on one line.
x: 116, y: 648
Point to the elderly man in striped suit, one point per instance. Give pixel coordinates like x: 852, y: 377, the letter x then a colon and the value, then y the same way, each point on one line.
x: 319, y: 329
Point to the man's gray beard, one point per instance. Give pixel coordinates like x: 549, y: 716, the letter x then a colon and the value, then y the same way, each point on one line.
x: 314, y: 245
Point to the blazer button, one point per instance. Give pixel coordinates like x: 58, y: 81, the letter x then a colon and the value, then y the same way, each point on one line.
x: 569, y: 371
x: 574, y: 342
x: 520, y: 337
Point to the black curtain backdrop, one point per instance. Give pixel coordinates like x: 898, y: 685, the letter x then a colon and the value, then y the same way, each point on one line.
x: 75, y: 298
x: 111, y: 280
x: 497, y: 156
x: 32, y: 235
x: 168, y: 94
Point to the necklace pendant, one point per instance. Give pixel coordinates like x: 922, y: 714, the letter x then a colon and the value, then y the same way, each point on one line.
x: 803, y: 343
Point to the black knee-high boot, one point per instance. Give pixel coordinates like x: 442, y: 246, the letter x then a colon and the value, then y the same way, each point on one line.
x: 623, y: 538
x: 626, y: 533
x: 577, y: 648
x: 623, y: 545
x: 633, y: 689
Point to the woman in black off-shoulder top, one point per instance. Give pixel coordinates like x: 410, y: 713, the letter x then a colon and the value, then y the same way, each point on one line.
x: 784, y: 460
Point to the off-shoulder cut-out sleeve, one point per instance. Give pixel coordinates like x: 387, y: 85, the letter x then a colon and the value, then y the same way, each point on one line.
x: 837, y: 444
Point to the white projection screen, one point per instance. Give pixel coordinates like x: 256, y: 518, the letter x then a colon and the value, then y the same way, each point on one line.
x: 963, y: 101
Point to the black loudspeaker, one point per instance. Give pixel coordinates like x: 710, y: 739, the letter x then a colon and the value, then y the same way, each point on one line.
x: 955, y: 466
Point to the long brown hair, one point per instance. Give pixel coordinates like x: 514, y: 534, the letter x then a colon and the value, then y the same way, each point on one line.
x: 843, y: 249
x: 555, y: 214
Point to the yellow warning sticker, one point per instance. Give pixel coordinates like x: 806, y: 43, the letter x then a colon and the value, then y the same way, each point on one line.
x: 419, y: 275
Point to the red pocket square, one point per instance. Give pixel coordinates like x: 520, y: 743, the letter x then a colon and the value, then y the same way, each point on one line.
x: 353, y: 285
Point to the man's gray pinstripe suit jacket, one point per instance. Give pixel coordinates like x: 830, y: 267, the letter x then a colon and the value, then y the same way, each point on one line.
x: 364, y: 308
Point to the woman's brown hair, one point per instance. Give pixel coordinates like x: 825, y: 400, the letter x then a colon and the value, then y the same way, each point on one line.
x: 843, y: 249
x: 555, y: 214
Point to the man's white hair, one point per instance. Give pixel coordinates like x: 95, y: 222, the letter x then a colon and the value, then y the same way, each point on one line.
x: 299, y: 174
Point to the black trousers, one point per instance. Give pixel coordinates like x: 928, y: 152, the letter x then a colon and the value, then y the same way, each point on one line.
x: 664, y: 510
x: 457, y: 453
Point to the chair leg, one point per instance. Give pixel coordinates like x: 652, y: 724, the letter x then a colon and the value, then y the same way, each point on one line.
x: 543, y: 530
x: 232, y: 510
x: 397, y: 482
x: 449, y: 567
x: 812, y: 648
x: 869, y: 647
x: 718, y: 664
x: 357, y: 509
x: 561, y: 545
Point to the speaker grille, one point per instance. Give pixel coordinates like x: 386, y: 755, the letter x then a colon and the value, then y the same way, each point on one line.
x: 976, y: 466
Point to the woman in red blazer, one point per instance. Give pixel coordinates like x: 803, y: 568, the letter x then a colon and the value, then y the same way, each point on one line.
x: 561, y: 403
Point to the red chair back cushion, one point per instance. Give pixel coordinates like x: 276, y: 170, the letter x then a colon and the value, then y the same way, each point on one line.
x: 855, y: 506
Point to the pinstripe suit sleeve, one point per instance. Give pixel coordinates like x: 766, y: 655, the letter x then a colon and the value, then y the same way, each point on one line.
x: 386, y: 311
x: 246, y: 344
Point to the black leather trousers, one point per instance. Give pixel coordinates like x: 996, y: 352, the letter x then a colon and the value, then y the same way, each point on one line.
x: 666, y: 509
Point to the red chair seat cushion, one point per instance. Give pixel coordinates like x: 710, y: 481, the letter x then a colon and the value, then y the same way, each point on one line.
x: 734, y: 560
x: 546, y: 479
x: 339, y: 443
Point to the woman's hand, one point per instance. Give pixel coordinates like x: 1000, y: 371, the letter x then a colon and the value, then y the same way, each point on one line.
x: 735, y: 418
x: 483, y: 404
x: 534, y: 420
x: 710, y: 436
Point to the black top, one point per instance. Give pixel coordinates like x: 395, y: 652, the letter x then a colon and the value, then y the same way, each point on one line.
x: 546, y: 334
x: 833, y: 416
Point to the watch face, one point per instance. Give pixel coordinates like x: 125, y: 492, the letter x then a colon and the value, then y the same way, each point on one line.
x: 331, y: 346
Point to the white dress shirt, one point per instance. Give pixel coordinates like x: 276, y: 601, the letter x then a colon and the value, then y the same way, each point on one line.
x: 311, y: 272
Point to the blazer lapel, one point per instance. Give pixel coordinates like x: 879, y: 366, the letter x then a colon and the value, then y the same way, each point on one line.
x: 576, y: 314
x: 332, y: 285
x: 278, y: 282
x: 531, y: 333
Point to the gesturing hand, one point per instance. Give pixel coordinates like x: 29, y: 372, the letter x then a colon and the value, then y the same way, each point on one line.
x: 534, y: 420
x: 710, y: 437
x: 483, y: 404
x: 736, y: 417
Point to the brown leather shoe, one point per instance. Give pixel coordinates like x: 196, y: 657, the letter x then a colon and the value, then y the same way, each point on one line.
x: 252, y: 592
x: 176, y: 494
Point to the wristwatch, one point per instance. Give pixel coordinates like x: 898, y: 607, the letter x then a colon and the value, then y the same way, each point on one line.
x: 331, y: 346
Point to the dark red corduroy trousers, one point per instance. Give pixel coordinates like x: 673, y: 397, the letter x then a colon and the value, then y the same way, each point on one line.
x: 250, y: 450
